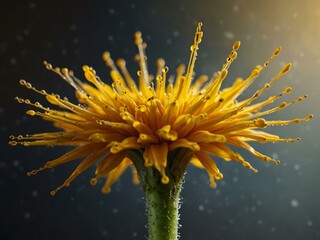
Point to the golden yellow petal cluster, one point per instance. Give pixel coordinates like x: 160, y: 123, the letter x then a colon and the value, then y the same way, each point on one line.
x: 156, y: 116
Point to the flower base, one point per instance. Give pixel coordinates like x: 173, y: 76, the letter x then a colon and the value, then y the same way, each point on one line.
x: 163, y: 200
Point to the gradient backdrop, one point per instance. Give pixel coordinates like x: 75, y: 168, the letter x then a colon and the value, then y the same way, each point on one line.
x: 280, y: 202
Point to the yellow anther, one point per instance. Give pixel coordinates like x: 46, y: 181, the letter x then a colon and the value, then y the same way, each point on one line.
x: 286, y: 68
x: 165, y: 179
x: 282, y: 105
x: 277, y: 51
x: 31, y: 112
x: 236, y: 45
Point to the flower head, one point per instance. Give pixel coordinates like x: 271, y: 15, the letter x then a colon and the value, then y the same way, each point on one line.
x: 162, y: 123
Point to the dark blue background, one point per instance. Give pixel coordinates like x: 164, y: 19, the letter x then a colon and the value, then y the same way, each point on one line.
x: 280, y: 202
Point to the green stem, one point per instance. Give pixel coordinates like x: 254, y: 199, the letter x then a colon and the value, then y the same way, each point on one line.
x: 162, y: 203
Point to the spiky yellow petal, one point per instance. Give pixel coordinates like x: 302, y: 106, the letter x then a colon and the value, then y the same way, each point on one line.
x: 152, y: 121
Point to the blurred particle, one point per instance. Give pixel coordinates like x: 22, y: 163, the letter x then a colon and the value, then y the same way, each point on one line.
x: 19, y: 38
x: 121, y: 23
x: 3, y: 47
x: 134, y: 234
x: 110, y: 38
x: 111, y: 11
x: 76, y: 40
x: 235, y: 8
x: 264, y: 37
x: 115, y: 210
x: 229, y: 35
x: 176, y: 33
x: 26, y: 32
x: 15, y: 163
x: 32, y: 5
x: 296, y: 167
x: 309, y: 223
x: 104, y: 233
x: 13, y: 61
x: 235, y: 179
x: 2, y: 165
x: 48, y: 44
x: 64, y: 52
x: 252, y: 16
x: 294, y: 203
x: 73, y: 27
x: 27, y: 215
x: 275, y: 155
x: 201, y: 207
x: 23, y: 53
x: 34, y: 193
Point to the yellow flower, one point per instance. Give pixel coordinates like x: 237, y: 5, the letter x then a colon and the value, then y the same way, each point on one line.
x: 162, y: 122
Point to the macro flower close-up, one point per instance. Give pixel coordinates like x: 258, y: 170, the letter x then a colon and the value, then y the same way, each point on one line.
x: 160, y: 120
x: 157, y: 124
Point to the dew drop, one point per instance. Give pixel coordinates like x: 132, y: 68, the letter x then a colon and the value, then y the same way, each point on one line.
x: 93, y: 181
x: 165, y: 69
x: 22, y: 82
x: 13, y: 143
